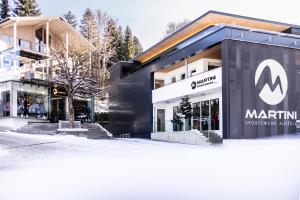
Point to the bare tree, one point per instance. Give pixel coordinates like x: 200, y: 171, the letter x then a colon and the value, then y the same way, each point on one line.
x: 172, y: 27
x: 104, y: 50
x: 72, y: 71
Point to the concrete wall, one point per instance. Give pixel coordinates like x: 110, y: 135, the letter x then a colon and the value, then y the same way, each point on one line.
x: 184, y: 137
x: 11, y: 123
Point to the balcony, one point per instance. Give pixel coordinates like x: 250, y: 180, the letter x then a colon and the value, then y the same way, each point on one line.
x: 197, y: 84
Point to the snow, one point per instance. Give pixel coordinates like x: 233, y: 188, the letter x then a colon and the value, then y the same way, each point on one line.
x: 137, y: 169
x: 3, y: 152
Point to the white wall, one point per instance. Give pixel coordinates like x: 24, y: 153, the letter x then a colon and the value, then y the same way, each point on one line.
x: 200, y: 66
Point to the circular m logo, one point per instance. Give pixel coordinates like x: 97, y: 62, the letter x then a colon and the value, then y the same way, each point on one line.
x: 194, y: 85
x: 272, y: 92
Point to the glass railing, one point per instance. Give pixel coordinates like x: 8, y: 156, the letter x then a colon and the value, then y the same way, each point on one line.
x: 188, y: 77
x: 197, y: 124
x: 171, y: 126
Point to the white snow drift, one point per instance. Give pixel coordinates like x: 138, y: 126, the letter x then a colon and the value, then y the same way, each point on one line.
x: 143, y: 169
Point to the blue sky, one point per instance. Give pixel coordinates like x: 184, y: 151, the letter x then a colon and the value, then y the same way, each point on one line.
x: 148, y: 19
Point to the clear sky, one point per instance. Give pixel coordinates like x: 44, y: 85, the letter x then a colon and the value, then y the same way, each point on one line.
x: 148, y: 19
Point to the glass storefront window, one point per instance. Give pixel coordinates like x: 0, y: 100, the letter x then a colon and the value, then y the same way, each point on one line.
x: 32, y: 105
x: 5, y: 104
x: 196, y: 116
x: 205, y: 115
x: 82, y: 110
x: 214, y: 107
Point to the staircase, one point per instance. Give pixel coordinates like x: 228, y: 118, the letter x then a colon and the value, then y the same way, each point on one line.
x: 96, y: 131
x: 39, y: 128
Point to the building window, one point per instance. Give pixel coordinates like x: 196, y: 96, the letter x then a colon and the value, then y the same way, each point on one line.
x: 212, y: 66
x: 182, y: 76
x: 193, y: 72
x: 32, y: 105
x: 159, y: 83
x: 7, y: 39
x: 173, y: 79
x: 24, y: 44
x: 175, y: 111
x: 177, y: 124
x: 5, y: 104
x: 214, y: 107
x: 196, y: 116
x: 40, y: 40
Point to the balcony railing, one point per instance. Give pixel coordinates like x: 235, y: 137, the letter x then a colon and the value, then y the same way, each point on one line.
x: 199, y: 83
x: 196, y: 74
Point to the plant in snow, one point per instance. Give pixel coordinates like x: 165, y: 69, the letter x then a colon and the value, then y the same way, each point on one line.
x: 185, y: 110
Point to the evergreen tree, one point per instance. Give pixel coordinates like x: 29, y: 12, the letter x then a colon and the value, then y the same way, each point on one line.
x: 71, y: 18
x: 120, y: 46
x: 88, y: 26
x: 185, y: 111
x: 4, y: 9
x: 137, y: 46
x: 115, y: 33
x: 128, y: 44
x: 26, y: 8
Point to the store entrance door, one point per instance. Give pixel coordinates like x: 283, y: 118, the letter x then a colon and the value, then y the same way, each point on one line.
x: 58, y: 111
x: 161, y: 120
x: 205, y: 116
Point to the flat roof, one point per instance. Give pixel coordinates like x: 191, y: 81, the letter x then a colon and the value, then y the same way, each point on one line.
x: 209, y: 19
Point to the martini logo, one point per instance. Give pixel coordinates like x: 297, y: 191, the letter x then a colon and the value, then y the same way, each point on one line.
x: 274, y: 91
x: 203, y: 82
x: 194, y: 85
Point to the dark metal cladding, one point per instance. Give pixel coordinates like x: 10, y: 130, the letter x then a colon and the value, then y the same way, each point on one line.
x: 240, y: 93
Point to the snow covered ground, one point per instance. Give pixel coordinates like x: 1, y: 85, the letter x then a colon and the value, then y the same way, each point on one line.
x: 3, y: 152
x: 135, y: 169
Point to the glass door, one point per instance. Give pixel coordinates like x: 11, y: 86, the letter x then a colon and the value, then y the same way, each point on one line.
x: 196, y: 116
x: 160, y: 116
x: 205, y: 117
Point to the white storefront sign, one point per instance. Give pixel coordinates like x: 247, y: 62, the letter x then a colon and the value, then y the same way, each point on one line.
x: 196, y: 84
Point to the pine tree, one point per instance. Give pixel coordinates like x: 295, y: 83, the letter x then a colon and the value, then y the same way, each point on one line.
x: 185, y: 107
x: 26, y: 8
x: 4, y: 9
x: 128, y: 44
x: 113, y: 32
x: 120, y: 46
x: 88, y: 26
x: 185, y: 110
x: 71, y: 18
x: 137, y: 46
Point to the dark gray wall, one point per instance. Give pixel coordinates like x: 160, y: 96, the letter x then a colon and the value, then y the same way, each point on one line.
x: 240, y: 61
x: 130, y: 109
